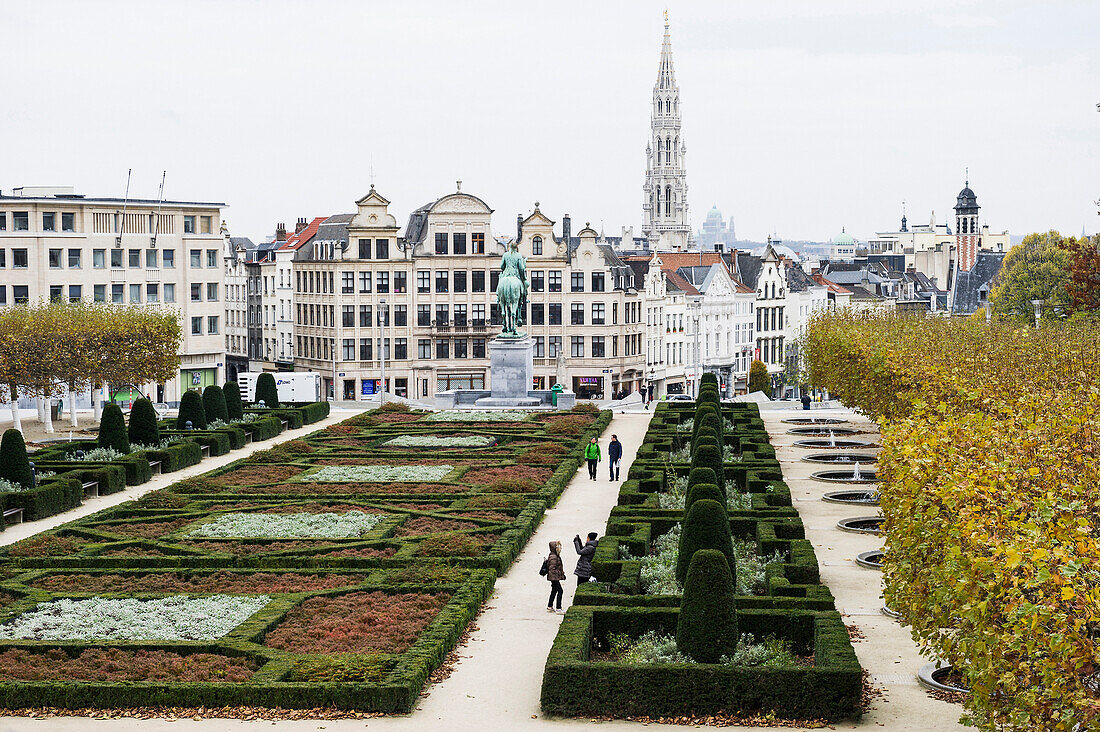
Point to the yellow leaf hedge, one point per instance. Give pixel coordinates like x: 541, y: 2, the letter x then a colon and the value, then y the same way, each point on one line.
x: 990, y: 476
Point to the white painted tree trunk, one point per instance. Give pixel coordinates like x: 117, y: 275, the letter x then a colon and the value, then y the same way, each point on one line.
x: 97, y: 407
x: 72, y: 408
x: 38, y: 402
x: 47, y: 417
x: 15, y: 421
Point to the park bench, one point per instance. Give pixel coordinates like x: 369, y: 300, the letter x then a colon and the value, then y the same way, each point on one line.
x: 156, y: 467
x: 91, y: 489
x: 13, y: 516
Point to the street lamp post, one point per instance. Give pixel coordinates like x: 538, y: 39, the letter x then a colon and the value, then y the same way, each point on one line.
x: 696, y: 306
x: 1038, y: 310
x: 382, y: 313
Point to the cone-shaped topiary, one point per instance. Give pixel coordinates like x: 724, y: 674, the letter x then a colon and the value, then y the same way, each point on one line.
x: 213, y: 403
x: 708, y: 418
x: 709, y: 456
x: 143, y: 428
x: 233, y: 404
x: 14, y: 464
x: 191, y: 410
x: 266, y: 391
x: 707, y: 627
x: 706, y: 526
x: 708, y: 378
x: 700, y: 492
x: 701, y: 475
x: 706, y: 437
x: 112, y: 429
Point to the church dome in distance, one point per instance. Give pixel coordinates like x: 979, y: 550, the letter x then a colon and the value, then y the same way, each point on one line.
x: 844, y: 239
x: 714, y: 215
x: 967, y: 198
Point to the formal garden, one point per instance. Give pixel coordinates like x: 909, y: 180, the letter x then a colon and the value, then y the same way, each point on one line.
x: 708, y: 599
x: 989, y: 473
x: 337, y: 570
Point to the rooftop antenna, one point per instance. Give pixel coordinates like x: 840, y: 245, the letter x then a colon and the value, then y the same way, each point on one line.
x: 125, y: 200
x: 160, y: 202
x: 372, y: 170
x: 968, y: 176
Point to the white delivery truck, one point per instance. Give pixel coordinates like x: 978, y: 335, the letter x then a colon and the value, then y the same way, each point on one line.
x: 293, y: 386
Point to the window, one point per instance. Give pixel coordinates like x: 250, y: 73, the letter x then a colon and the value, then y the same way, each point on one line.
x: 494, y: 279
x: 555, y: 280
x: 20, y: 293
x: 597, y: 347
x: 382, y: 247
x: 135, y: 293
x: 49, y: 222
x: 423, y: 280
x: 576, y: 313
x: 443, y: 348
x: 133, y: 259
x: 383, y: 283
x: 461, y: 348
x: 212, y: 291
x: 364, y: 248
x: 597, y: 282
x: 540, y: 347
x: 554, y: 313
x: 441, y: 280
x: 152, y: 292
x: 19, y: 258
x: 442, y: 314
x: 347, y: 316
x: 538, y: 313
x: 479, y: 348
x: 364, y: 282
x: 347, y: 348
x: 459, y: 280
x: 68, y: 222
x: 3, y: 221
x: 477, y: 243
x: 615, y: 314
x: 460, y: 315
x: 169, y: 292
x: 74, y: 259
x: 99, y: 293
x: 74, y: 292
x: 598, y: 313
x: 477, y: 314
x: 365, y: 315
x: 20, y: 221
x: 576, y: 346
x: 196, y: 257
x: 347, y: 282
x: 554, y: 344
x: 536, y: 245
x: 441, y: 243
x: 366, y: 349
x: 423, y: 315
x: 401, y: 315
x: 196, y: 292
x: 401, y: 349
x: 494, y: 314
x: 151, y: 258
x: 538, y: 281
x: 212, y: 324
x: 424, y: 348
x: 458, y: 246
x: 168, y: 258
x: 55, y: 259
x: 211, y: 254
x: 400, y: 281
x: 189, y: 227
x: 477, y: 280
x: 576, y: 282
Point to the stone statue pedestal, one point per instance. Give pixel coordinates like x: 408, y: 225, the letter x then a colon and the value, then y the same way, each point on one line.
x: 511, y: 370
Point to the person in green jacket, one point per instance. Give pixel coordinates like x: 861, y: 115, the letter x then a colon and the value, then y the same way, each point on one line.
x: 592, y: 455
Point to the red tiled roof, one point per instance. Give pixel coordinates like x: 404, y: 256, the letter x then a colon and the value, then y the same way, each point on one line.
x: 680, y: 282
x: 293, y: 241
x: 833, y: 287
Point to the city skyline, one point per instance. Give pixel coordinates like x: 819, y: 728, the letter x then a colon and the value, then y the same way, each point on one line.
x: 554, y: 107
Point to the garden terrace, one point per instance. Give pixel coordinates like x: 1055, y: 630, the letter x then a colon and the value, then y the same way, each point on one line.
x: 345, y: 588
x: 779, y: 592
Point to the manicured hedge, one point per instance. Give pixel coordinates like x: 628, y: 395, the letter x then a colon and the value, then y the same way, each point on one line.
x: 49, y: 497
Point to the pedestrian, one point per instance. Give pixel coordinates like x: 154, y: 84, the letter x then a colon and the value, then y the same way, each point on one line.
x: 614, y: 456
x: 555, y: 573
x: 592, y: 455
x: 805, y: 401
x: 586, y: 550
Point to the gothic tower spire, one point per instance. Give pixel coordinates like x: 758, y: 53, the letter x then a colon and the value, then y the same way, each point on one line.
x: 665, y: 205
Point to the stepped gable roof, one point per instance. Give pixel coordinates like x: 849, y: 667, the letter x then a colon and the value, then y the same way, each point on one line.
x: 969, y: 286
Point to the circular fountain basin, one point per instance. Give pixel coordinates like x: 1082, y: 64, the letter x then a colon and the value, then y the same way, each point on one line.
x: 857, y: 498
x: 826, y: 444
x: 846, y: 476
x: 822, y: 431
x: 870, y: 560
x: 841, y: 458
x: 815, y: 420
x: 935, y: 676
x: 862, y: 524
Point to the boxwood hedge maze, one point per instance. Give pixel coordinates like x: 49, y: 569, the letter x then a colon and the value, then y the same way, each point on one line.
x: 337, y: 570
x: 621, y: 649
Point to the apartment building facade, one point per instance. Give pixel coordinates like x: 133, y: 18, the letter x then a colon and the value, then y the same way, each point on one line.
x: 55, y: 243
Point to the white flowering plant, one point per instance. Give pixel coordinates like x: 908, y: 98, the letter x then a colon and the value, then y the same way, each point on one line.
x: 379, y: 474
x: 176, y: 618
x: 347, y: 525
x: 461, y: 415
x: 434, y: 441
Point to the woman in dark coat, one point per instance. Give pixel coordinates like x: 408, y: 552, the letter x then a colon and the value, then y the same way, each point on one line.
x: 555, y: 572
x: 586, y: 551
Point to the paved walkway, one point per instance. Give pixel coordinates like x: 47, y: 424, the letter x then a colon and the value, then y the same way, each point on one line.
x: 21, y: 531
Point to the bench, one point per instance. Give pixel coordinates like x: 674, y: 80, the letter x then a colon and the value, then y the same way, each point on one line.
x: 156, y: 467
x: 13, y: 516
x: 91, y: 489
x: 206, y: 451
x: 247, y: 437
x: 286, y: 424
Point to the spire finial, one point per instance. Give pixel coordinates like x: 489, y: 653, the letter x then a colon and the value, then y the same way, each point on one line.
x: 458, y: 183
x: 968, y: 176
x: 666, y: 17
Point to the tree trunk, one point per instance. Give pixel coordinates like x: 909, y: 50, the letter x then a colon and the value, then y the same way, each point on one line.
x: 97, y: 407
x: 47, y: 417
x: 72, y: 408
x: 38, y: 405
x: 15, y: 421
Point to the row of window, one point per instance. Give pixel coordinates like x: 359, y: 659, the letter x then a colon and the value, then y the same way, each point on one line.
x: 106, y: 222
x: 211, y: 325
x: 769, y: 318
x: 153, y: 292
x: 442, y: 314
x: 367, y: 349
x: 552, y: 281
x: 455, y: 243
x: 458, y: 281
x: 21, y: 221
x: 73, y: 258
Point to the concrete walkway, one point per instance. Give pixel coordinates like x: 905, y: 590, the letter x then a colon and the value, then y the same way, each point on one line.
x: 22, y: 531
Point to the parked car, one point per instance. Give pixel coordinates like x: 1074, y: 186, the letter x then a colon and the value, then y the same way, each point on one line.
x: 679, y: 398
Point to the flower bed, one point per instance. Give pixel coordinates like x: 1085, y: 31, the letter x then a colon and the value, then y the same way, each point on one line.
x: 433, y: 441
x: 428, y: 525
x: 379, y: 473
x: 456, y: 415
x: 172, y: 618
x: 117, y: 664
x: 287, y: 526
x: 260, y: 583
x: 254, y: 474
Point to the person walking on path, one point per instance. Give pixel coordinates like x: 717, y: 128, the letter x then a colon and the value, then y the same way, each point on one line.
x: 586, y: 550
x: 555, y: 573
x: 592, y: 455
x: 614, y: 456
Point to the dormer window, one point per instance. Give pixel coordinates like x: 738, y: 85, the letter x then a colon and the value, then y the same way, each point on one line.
x: 536, y: 245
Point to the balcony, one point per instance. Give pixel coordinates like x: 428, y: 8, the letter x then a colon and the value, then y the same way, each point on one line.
x: 470, y: 326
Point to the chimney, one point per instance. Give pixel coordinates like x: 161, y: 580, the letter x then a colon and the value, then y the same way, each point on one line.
x: 299, y: 226
x: 280, y: 232
x: 519, y: 227
x: 566, y: 228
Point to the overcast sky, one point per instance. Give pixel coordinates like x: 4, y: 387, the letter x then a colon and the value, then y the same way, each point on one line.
x: 799, y: 117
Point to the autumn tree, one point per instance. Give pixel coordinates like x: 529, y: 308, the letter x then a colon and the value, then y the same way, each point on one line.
x: 1083, y: 287
x: 1037, y: 269
x: 758, y: 377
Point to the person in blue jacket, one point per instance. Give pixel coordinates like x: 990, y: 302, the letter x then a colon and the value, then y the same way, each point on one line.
x: 614, y: 456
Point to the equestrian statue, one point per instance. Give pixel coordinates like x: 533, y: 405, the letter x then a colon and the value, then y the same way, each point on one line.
x: 512, y: 292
